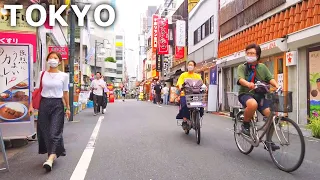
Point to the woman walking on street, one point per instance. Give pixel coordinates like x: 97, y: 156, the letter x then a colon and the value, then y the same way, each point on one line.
x: 55, y: 87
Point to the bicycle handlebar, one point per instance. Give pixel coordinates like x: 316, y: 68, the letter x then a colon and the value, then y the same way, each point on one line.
x: 260, y: 84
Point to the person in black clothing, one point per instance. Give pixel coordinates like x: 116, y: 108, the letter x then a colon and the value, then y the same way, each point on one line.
x: 158, y: 89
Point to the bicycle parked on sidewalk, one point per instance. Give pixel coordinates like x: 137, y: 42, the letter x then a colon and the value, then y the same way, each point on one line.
x: 272, y: 128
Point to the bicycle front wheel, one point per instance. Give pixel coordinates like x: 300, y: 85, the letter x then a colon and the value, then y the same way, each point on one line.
x: 197, y: 126
x: 282, y: 134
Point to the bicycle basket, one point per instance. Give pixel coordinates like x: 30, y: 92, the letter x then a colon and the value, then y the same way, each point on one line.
x: 233, y: 101
x: 196, y: 100
x: 280, y: 102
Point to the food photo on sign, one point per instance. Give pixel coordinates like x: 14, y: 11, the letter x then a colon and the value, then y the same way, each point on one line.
x: 14, y: 78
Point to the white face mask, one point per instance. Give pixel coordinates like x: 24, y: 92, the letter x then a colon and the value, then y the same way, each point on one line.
x: 251, y: 59
x: 190, y: 68
x: 53, y: 63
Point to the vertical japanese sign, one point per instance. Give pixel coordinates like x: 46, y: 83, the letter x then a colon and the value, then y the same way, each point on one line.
x: 291, y: 58
x: 180, y: 33
x: 213, y: 75
x: 153, y: 61
x: 159, y: 63
x: 163, y: 36
x: 15, y: 83
x: 154, y: 35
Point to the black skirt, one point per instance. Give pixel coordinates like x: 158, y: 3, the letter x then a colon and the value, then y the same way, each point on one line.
x: 50, y: 126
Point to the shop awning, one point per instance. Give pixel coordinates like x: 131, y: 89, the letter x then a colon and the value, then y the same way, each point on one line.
x: 304, y: 37
x: 269, y: 48
x: 172, y: 75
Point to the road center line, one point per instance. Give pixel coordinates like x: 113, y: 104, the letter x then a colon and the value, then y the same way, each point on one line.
x: 81, y: 169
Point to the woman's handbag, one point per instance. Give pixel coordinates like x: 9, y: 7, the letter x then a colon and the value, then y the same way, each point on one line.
x: 91, y: 96
x: 36, y: 94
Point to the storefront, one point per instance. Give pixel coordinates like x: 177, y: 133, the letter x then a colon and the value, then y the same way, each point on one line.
x: 304, y: 73
x: 204, y: 70
x: 272, y: 56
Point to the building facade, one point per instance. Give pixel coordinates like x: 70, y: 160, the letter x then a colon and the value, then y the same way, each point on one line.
x: 288, y: 33
x: 120, y: 58
x: 203, y: 36
x: 176, y: 61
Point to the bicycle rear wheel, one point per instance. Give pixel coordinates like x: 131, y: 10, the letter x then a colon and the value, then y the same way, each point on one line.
x: 285, y: 133
x: 243, y: 145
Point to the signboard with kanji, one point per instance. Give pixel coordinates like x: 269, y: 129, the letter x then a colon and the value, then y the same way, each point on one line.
x: 15, y: 91
x: 291, y: 58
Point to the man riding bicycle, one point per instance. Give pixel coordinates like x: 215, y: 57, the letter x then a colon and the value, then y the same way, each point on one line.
x: 184, y: 110
x: 250, y: 98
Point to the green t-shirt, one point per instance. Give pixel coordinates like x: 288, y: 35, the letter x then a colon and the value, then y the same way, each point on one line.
x: 263, y: 74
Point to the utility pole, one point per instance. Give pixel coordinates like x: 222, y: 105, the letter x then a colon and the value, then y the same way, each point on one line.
x: 95, y: 57
x: 71, y: 59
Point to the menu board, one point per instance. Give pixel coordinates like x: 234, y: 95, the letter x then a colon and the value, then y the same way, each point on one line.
x: 15, y: 94
x: 173, y: 95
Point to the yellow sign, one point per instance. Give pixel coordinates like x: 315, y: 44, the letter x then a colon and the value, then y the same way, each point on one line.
x: 67, y: 2
x: 22, y: 24
x: 154, y: 73
x: 119, y: 44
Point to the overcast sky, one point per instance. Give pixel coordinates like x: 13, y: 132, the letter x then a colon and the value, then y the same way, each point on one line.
x: 128, y: 19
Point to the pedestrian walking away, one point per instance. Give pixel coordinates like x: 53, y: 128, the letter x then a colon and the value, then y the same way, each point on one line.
x: 158, y: 90
x: 50, y: 124
x: 124, y: 91
x: 98, y: 86
x: 165, y: 93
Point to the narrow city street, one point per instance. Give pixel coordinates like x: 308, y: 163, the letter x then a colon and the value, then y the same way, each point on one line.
x: 141, y: 141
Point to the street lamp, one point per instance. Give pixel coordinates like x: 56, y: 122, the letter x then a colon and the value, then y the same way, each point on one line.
x: 96, y: 45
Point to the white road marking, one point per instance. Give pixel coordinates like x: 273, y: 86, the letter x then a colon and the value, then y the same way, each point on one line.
x: 82, y: 167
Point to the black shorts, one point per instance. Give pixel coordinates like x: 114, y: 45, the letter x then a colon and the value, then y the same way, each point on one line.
x: 262, y: 102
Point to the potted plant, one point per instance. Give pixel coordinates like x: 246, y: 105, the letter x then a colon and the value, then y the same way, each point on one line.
x: 314, y: 126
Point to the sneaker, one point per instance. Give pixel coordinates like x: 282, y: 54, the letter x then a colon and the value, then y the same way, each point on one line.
x: 245, y: 130
x: 274, y: 147
x: 104, y: 110
x: 184, y: 125
x: 94, y: 114
x: 48, y: 165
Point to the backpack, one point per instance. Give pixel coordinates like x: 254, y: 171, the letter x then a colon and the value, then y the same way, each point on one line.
x: 193, y: 86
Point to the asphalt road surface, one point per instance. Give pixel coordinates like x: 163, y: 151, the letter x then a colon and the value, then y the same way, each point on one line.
x: 141, y: 141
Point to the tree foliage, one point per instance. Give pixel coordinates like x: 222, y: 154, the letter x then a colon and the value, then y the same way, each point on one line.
x: 110, y: 59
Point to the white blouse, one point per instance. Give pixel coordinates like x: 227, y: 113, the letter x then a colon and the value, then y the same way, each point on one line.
x: 53, y: 84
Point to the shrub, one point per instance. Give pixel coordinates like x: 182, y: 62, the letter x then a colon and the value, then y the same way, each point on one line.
x: 314, y: 126
x: 110, y: 59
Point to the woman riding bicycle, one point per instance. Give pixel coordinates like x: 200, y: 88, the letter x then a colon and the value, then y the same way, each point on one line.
x: 248, y: 74
x: 184, y: 110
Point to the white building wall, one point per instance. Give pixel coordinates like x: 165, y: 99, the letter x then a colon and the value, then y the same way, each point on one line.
x: 197, y: 17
